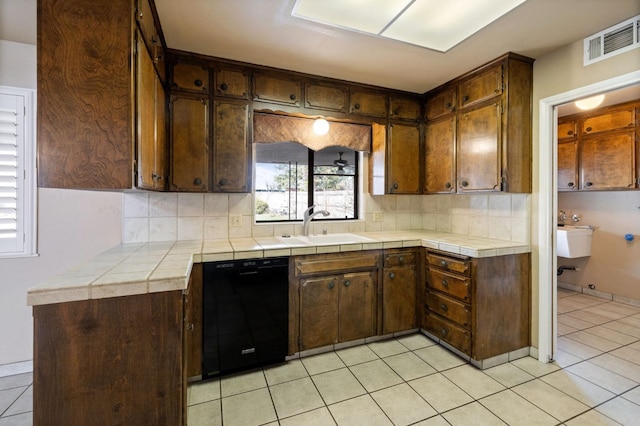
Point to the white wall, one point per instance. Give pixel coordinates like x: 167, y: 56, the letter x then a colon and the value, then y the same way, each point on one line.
x: 72, y: 226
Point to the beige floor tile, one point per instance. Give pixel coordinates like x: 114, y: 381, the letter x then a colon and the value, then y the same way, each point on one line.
x: 285, y: 372
x: 565, y: 329
x: 409, y: 366
x: 587, y: 338
x: 584, y: 391
x: 621, y: 308
x: 565, y: 359
x: 576, y: 323
x: 248, y: 409
x: 439, y: 357
x: 322, y: 363
x: 621, y: 410
x: 338, y: 385
x: 387, y: 348
x: 23, y: 404
x: 375, y: 375
x: 588, y: 316
x: 357, y: 355
x: 618, y: 365
x: 416, y: 341
x: 592, y: 418
x: 8, y: 396
x: 473, y: 381
x: 25, y: 419
x: 516, y: 411
x: 546, y: 397
x: 624, y: 327
x: 474, y: 413
x: 295, y: 397
x: 607, y: 333
x: 440, y: 393
x: 603, y: 377
x: 319, y: 417
x: 587, y: 300
x: 606, y: 312
x: 627, y: 354
x: 205, y: 414
x: 403, y: 405
x: 509, y: 375
x: 535, y: 367
x: 576, y: 348
x: 16, y: 381
x: 433, y: 421
x: 635, y: 346
x: 242, y: 382
x: 633, y: 395
x: 200, y: 392
x: 359, y: 411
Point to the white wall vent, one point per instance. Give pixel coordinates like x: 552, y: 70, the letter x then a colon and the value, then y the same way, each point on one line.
x: 618, y: 39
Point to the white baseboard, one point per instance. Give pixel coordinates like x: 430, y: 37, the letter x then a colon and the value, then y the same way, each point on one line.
x: 16, y: 368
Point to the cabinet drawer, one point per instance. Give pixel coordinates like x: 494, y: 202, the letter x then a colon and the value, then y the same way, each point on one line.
x: 456, y: 336
x: 404, y: 109
x: 371, y: 104
x: 326, y: 97
x: 610, y: 121
x: 460, y: 266
x: 449, y: 308
x: 190, y: 78
x: 453, y: 285
x: 441, y: 104
x: 232, y: 83
x: 399, y: 258
x: 483, y: 86
x: 306, y: 265
x: 281, y: 90
x: 567, y: 130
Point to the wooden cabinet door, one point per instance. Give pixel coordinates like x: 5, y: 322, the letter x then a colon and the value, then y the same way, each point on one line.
x: 330, y: 98
x: 319, y: 311
x: 568, y: 166
x: 398, y: 299
x: 613, y: 120
x: 232, y: 83
x: 609, y: 162
x: 145, y: 117
x: 440, y: 104
x: 231, y: 147
x: 567, y: 129
x: 404, y: 109
x: 281, y: 90
x: 371, y: 104
x: 478, y: 150
x: 357, y: 306
x: 403, y: 150
x: 189, y: 143
x: 485, y: 85
x: 440, y: 156
x: 190, y: 78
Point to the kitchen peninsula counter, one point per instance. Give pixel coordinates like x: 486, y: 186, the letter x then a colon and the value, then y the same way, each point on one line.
x: 140, y: 268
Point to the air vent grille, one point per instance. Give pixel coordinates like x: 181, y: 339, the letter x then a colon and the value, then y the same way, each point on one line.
x: 612, y: 41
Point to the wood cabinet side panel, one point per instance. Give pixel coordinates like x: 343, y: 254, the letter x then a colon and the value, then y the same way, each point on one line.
x: 109, y: 361
x: 194, y: 322
x: 85, y: 94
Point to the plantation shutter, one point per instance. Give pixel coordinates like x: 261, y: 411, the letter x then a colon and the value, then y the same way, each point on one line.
x: 12, y: 173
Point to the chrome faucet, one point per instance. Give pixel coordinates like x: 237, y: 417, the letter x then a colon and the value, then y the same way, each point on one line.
x: 562, y: 216
x: 308, y: 216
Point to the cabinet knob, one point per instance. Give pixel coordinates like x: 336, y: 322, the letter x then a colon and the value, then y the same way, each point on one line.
x: 445, y: 283
x: 444, y: 307
x: 443, y: 263
x: 465, y: 98
x: 332, y: 284
x: 444, y: 332
x: 588, y: 129
x: 224, y: 87
x: 190, y: 327
x: 222, y: 182
x: 396, y: 111
x: 292, y: 96
x: 589, y: 183
x: 401, y: 259
x: 198, y: 83
x: 570, y: 132
x: 347, y: 283
x: 395, y: 185
x: 570, y: 184
x: 464, y: 183
x: 197, y: 181
x: 356, y: 106
x: 448, y: 105
x: 447, y: 185
x: 392, y: 275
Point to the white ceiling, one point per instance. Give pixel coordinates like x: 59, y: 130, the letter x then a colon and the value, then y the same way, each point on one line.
x: 264, y: 32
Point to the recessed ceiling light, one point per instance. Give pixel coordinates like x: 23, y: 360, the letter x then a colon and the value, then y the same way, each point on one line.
x: 590, y: 103
x: 434, y: 24
x: 320, y: 126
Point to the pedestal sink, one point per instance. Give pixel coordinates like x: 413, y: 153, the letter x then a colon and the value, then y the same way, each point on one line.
x: 574, y: 241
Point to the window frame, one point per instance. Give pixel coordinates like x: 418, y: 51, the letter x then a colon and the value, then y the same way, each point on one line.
x: 26, y: 167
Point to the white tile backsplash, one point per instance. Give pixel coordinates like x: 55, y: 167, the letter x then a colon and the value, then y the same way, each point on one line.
x: 181, y: 216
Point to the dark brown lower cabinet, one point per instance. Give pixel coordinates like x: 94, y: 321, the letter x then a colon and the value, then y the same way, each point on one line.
x: 193, y: 320
x: 116, y: 361
x: 480, y: 306
x: 399, y: 285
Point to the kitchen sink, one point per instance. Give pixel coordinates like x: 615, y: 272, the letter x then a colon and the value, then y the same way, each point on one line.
x: 329, y: 239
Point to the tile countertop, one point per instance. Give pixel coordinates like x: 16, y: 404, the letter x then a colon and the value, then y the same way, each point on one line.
x: 139, y: 268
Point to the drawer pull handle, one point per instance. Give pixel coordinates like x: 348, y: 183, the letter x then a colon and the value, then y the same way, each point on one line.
x: 347, y: 283
x: 445, y: 283
x: 292, y: 96
x: 224, y: 87
x: 444, y: 263
x: 332, y: 284
x: 392, y: 275
x: 444, y: 332
x: 444, y: 307
x: 197, y: 181
x: 465, y: 98
x: 588, y: 129
x: 570, y: 184
x: 356, y: 106
x: 448, y: 105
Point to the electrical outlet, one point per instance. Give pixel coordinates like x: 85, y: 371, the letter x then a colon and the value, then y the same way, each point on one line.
x: 377, y: 216
x: 235, y: 220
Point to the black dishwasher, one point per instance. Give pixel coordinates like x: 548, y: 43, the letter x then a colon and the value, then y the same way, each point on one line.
x: 245, y: 314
